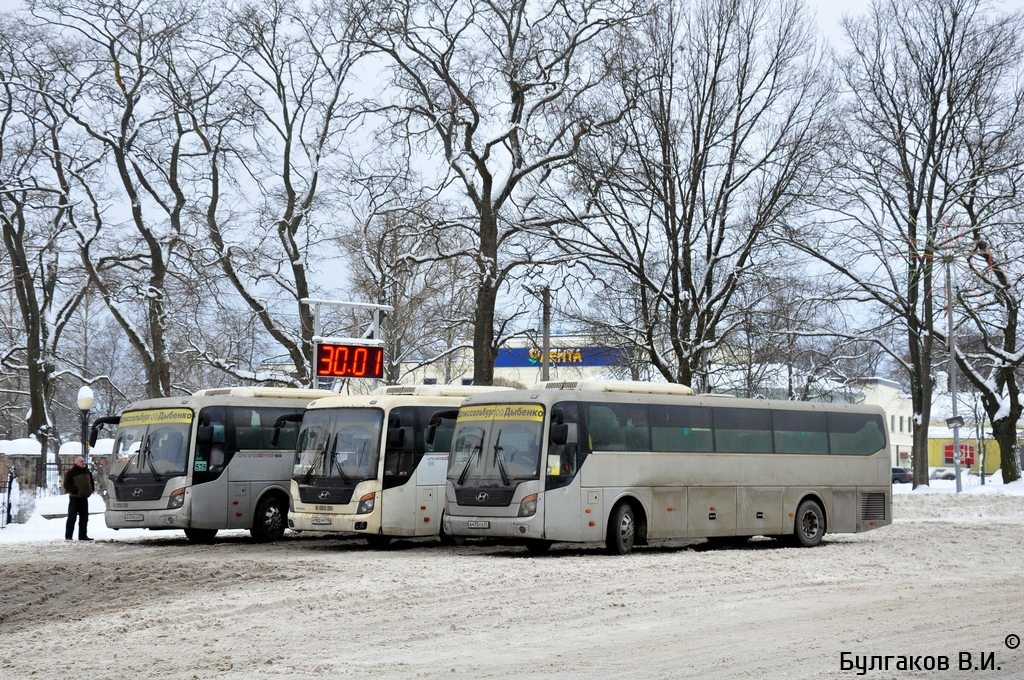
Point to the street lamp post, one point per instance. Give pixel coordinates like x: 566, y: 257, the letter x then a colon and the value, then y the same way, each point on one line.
x: 85, y: 400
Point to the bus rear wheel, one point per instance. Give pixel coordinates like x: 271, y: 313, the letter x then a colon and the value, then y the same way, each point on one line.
x: 809, y: 527
x: 621, y: 530
x: 269, y: 521
x: 200, y: 535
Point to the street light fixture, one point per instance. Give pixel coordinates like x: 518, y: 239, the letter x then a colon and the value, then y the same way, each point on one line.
x: 85, y: 401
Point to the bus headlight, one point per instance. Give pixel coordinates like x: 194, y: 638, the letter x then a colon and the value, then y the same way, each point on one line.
x: 366, y: 504
x: 528, y: 506
x: 177, y: 499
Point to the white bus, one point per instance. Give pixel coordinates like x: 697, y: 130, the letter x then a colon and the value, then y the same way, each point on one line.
x: 209, y: 461
x: 363, y: 464
x: 624, y: 462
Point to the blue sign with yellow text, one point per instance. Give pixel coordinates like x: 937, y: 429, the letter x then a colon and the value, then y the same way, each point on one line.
x: 527, y: 357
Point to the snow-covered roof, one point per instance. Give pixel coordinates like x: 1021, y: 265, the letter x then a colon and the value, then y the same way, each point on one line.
x: 20, y: 447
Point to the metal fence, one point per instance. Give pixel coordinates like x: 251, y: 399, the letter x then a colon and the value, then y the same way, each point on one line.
x: 6, y: 488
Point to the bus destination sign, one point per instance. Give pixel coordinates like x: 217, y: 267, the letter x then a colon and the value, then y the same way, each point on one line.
x: 343, y: 360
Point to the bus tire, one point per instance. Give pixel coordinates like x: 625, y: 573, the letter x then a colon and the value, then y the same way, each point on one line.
x: 201, y: 536
x: 621, y: 530
x: 448, y: 539
x: 378, y: 541
x: 538, y: 547
x: 809, y: 526
x: 270, y: 519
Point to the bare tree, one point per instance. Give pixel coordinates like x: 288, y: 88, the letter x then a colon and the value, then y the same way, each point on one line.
x: 498, y: 93
x: 37, y: 232
x: 794, y: 343
x: 266, y: 214
x: 392, y: 253
x: 990, y: 300
x: 682, y: 195
x: 916, y: 75
x: 128, y: 109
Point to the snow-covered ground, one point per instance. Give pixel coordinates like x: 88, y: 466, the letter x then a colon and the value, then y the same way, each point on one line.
x: 945, y: 578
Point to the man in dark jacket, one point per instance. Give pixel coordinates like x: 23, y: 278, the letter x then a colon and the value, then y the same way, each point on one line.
x: 79, y: 484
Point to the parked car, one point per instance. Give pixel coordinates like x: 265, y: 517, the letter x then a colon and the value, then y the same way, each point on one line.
x: 942, y: 473
x: 901, y: 475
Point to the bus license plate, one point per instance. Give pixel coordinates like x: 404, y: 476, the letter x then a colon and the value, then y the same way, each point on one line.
x: 322, y: 520
x: 133, y: 517
x: 478, y: 525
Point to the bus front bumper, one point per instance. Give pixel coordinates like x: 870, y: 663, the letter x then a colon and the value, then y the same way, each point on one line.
x: 128, y: 518
x: 323, y: 521
x: 494, y: 527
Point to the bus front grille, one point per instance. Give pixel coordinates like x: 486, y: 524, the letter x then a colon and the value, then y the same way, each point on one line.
x: 872, y: 507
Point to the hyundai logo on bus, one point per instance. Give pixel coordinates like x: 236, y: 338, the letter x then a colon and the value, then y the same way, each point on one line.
x: 137, y: 492
x: 324, y: 494
x: 482, y: 496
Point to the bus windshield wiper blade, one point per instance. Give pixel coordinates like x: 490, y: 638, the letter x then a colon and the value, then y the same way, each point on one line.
x: 146, y: 453
x: 337, y: 466
x: 128, y: 463
x: 501, y: 464
x: 319, y: 457
x: 149, y: 464
x: 465, y: 469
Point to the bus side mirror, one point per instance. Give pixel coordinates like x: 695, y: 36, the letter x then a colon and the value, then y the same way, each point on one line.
x: 97, y: 425
x: 401, y: 438
x: 280, y: 423
x: 564, y: 433
x: 436, y: 421
x: 204, y: 435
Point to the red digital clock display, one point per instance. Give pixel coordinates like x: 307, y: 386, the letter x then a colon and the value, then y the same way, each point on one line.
x: 335, y: 360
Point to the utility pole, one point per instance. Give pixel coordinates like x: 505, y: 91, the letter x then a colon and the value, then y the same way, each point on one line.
x: 955, y: 421
x: 545, y: 352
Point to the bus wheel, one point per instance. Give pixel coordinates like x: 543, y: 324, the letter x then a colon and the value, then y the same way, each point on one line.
x: 378, y: 541
x: 621, y: 530
x: 269, y: 520
x: 200, y: 535
x: 448, y: 539
x: 810, y: 524
x: 538, y: 547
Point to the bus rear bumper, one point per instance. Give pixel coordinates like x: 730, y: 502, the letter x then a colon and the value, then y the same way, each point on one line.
x: 494, y: 527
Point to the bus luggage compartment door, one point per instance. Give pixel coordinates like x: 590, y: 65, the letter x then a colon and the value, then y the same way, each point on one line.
x: 428, y: 510
x: 239, y: 505
x: 711, y: 511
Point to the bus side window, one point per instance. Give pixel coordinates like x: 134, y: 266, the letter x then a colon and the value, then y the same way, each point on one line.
x: 211, y: 451
x: 404, y: 445
x: 564, y: 456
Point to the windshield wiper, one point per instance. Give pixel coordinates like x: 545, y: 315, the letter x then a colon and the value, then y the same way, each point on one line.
x: 128, y: 464
x: 147, y: 452
x: 319, y: 457
x: 499, y: 461
x: 337, y: 466
x: 465, y: 470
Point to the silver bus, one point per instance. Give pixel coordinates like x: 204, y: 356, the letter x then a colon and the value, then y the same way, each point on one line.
x: 365, y: 464
x: 218, y: 459
x: 625, y: 462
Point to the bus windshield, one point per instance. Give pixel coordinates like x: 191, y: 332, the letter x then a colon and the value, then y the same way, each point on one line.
x: 152, y: 443
x: 496, y: 445
x: 338, y: 443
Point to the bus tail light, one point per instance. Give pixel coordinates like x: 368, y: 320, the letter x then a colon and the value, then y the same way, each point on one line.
x: 365, y: 504
x: 177, y: 499
x: 528, y: 506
